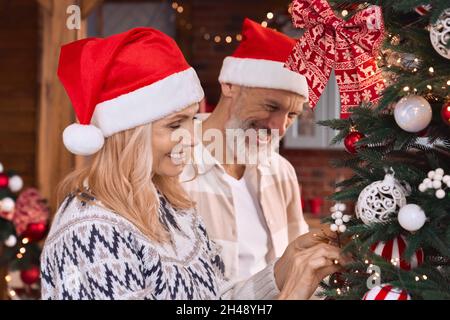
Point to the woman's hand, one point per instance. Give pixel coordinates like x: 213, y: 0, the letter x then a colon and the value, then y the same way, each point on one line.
x: 316, y: 236
x: 304, y: 264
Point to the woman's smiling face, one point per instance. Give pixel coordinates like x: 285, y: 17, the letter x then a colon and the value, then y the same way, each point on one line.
x: 169, y: 153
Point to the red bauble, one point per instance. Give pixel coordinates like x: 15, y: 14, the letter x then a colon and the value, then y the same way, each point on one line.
x: 351, y: 139
x: 4, y: 180
x: 35, y: 231
x: 31, y: 275
x: 445, y: 113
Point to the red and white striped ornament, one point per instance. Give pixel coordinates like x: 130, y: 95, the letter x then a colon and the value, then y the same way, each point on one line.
x: 393, y: 250
x: 423, y: 9
x: 386, y: 292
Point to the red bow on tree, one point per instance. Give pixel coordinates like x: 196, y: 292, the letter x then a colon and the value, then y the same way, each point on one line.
x: 348, y: 47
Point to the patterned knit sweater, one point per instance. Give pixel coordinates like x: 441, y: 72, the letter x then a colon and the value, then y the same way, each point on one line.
x: 93, y: 253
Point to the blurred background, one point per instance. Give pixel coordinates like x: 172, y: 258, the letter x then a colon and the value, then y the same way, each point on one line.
x: 34, y: 108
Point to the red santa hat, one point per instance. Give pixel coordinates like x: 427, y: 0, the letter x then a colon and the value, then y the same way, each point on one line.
x: 259, y: 61
x: 121, y: 82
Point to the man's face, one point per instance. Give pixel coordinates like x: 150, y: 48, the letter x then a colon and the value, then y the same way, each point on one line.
x: 263, y: 110
x: 258, y: 108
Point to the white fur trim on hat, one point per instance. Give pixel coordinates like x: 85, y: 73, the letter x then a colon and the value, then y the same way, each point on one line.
x: 261, y: 73
x: 82, y: 139
x: 147, y: 104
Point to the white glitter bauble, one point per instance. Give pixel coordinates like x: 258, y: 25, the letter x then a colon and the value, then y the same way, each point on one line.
x: 380, y: 200
x: 7, y: 204
x: 440, y: 34
x: 10, y: 241
x: 15, y: 183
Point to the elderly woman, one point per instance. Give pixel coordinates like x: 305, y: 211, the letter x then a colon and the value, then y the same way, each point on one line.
x: 125, y: 228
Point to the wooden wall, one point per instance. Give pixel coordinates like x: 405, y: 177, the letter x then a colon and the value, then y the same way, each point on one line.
x: 18, y: 86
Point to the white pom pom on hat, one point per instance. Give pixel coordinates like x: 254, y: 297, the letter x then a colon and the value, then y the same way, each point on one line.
x: 150, y: 80
x: 83, y: 140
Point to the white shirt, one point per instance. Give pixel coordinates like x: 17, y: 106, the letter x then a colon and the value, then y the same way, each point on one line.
x: 252, y: 232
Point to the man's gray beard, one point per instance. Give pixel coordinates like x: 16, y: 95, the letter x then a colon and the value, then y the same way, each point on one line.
x: 238, y: 149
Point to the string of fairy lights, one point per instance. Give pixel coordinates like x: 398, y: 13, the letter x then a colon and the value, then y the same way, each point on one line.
x: 412, y: 65
x: 375, y: 275
x: 8, y: 278
x: 229, y: 38
x: 215, y: 37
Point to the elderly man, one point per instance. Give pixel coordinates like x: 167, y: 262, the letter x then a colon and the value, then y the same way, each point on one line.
x: 251, y: 210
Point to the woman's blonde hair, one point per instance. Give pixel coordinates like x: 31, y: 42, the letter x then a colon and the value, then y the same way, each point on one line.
x: 120, y: 176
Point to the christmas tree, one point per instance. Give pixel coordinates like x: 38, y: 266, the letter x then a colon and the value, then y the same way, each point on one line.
x: 391, y: 61
x: 23, y: 222
x: 399, y: 151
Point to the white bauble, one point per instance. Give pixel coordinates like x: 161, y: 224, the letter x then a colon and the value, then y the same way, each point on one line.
x: 380, y: 200
x: 440, y: 34
x: 446, y: 179
x: 338, y: 215
x: 338, y: 222
x: 413, y: 113
x: 15, y: 183
x: 342, y: 228
x: 7, y: 204
x: 438, y: 177
x: 411, y: 217
x: 1, y: 167
x: 346, y: 218
x: 422, y: 187
x: 431, y: 174
x: 341, y: 206
x: 439, y: 171
x: 334, y: 227
x: 440, y: 194
x: 10, y: 241
x: 437, y: 184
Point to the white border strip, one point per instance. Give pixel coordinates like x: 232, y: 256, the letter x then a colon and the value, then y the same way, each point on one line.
x: 149, y: 103
x: 261, y: 73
